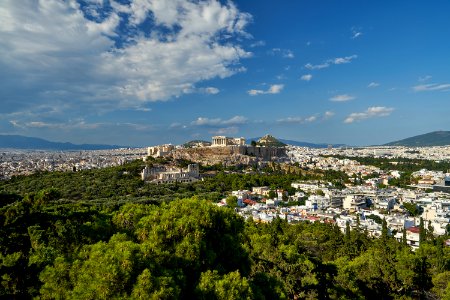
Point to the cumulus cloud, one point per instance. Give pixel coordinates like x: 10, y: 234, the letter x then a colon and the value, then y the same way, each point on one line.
x: 332, y: 61
x: 273, y: 89
x: 77, y: 54
x: 306, y: 77
x: 432, y: 87
x: 371, y: 112
x: 373, y: 84
x: 236, y: 120
x: 342, y: 98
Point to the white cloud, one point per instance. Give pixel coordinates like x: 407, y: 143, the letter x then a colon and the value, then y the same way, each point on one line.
x: 273, y: 89
x: 298, y: 120
x: 53, y: 50
x: 306, y: 77
x: 356, y: 32
x: 225, y: 131
x: 236, y: 120
x: 328, y: 114
x: 291, y: 120
x: 311, y: 119
x: 333, y: 61
x: 210, y: 90
x: 286, y: 53
x: 342, y: 98
x: 432, y: 87
x: 371, y: 112
x: 317, y: 67
x: 425, y: 78
x: 258, y: 44
x: 373, y: 84
x: 78, y: 124
x: 356, y: 35
x: 344, y: 60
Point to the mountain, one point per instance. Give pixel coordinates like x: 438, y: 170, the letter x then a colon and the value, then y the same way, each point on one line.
x: 301, y: 144
x: 24, y: 142
x: 435, y: 138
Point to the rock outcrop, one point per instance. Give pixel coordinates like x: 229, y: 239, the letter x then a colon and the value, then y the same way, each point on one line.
x: 230, y: 155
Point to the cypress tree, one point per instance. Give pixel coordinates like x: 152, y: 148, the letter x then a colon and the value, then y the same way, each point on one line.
x: 422, y: 233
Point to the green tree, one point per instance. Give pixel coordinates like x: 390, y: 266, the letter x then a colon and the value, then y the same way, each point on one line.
x: 223, y: 287
x: 422, y: 232
x: 272, y: 194
x: 232, y: 201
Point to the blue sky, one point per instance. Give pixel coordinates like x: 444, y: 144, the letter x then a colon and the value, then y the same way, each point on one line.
x: 145, y: 72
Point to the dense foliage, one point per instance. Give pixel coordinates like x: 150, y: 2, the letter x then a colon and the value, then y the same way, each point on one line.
x: 123, y: 183
x: 190, y: 248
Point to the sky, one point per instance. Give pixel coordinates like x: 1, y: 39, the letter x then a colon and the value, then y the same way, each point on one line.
x: 148, y: 72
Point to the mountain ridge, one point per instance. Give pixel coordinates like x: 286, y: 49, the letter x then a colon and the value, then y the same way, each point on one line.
x: 434, y: 138
x: 33, y: 143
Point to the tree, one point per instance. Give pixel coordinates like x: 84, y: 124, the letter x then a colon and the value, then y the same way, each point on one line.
x: 412, y: 208
x: 231, y: 201
x: 272, y: 194
x: 430, y: 231
x: 253, y: 143
x: 422, y: 232
x: 230, y: 286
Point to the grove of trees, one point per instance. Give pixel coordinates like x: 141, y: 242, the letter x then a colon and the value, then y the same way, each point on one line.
x: 58, y: 243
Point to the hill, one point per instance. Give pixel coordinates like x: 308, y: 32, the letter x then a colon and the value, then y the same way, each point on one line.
x: 435, y: 138
x: 24, y: 142
x: 270, y: 141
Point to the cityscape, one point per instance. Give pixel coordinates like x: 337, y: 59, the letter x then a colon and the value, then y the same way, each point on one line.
x: 224, y: 149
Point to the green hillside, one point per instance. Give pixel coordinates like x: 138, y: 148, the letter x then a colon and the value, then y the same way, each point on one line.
x: 436, y: 138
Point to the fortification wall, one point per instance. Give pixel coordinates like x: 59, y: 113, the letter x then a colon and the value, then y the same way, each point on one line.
x: 230, y: 155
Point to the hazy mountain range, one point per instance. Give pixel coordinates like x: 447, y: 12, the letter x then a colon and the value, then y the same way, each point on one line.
x: 436, y: 138
x: 24, y: 142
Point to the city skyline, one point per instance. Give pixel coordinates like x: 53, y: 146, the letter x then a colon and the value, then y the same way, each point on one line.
x: 141, y: 73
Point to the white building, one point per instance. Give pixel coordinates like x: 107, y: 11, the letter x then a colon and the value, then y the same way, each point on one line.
x: 158, y: 175
x: 354, y: 202
x: 160, y: 150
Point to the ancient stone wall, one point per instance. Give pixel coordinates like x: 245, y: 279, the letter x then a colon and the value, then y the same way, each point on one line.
x: 230, y: 155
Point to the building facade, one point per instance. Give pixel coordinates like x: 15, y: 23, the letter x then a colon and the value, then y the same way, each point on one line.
x: 160, y: 150
x: 160, y: 175
x: 222, y: 141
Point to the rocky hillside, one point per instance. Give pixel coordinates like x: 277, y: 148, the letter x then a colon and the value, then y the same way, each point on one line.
x: 270, y: 141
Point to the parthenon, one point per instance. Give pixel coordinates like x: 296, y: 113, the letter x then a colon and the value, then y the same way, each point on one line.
x: 222, y: 141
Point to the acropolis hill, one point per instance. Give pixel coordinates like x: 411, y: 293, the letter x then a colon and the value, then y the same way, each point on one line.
x: 225, y: 150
